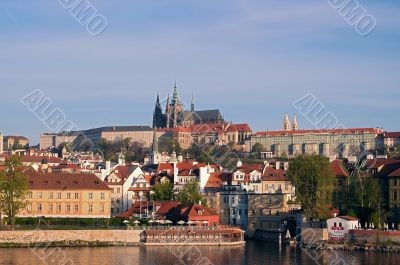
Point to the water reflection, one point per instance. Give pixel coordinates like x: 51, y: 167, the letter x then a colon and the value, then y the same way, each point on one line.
x: 254, y: 253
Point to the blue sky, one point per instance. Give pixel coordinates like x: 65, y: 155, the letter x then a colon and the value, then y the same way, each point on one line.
x: 249, y: 58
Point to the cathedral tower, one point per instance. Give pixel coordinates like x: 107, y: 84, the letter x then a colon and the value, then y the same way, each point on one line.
x: 295, y: 126
x: 286, y: 123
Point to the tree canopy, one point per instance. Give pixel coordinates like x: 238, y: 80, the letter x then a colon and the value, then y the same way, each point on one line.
x: 163, y: 191
x: 13, y: 188
x: 313, y: 179
x: 190, y: 193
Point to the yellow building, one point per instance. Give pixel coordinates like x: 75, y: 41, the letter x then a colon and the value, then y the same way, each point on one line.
x: 66, y: 195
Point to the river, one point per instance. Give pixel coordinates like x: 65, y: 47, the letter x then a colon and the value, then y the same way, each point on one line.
x: 254, y: 253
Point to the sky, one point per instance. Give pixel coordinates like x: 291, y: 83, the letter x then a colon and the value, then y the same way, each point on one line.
x: 252, y: 59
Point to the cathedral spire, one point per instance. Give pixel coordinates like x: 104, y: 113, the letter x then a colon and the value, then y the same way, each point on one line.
x: 175, y: 98
x: 157, y: 114
x: 286, y: 123
x: 295, y: 126
x: 192, y: 105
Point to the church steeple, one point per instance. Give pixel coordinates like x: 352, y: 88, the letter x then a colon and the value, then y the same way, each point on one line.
x: 295, y: 126
x: 286, y: 123
x: 175, y: 98
x: 157, y: 114
x: 192, y: 104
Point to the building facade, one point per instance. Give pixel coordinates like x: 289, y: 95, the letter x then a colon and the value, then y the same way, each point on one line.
x: 65, y: 195
x: 90, y: 139
x: 337, y: 143
x: 10, y: 142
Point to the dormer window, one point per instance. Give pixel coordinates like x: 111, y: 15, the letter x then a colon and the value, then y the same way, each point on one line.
x: 200, y: 212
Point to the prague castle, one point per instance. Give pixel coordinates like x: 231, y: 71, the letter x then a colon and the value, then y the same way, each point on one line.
x: 176, y: 116
x: 290, y: 141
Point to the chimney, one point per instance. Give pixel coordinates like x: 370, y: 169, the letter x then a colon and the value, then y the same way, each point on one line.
x: 108, y: 164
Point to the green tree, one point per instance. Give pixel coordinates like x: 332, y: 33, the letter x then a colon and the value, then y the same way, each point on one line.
x: 313, y: 178
x: 190, y: 193
x: 163, y: 191
x: 13, y: 188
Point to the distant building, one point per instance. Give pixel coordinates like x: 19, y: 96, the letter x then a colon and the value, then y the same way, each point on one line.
x: 90, y: 139
x: 14, y: 141
x: 175, y: 115
x: 337, y: 143
x: 66, y: 195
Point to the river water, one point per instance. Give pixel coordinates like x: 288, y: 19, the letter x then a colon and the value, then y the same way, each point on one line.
x: 254, y: 253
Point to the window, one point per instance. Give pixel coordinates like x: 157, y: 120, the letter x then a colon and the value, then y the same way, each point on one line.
x: 29, y: 207
x: 59, y: 195
x: 90, y: 208
x: 68, y: 208
x: 233, y: 199
x: 30, y: 195
x: 76, y: 207
x: 394, y: 182
x: 58, y: 207
x: 39, y: 207
x: 279, y: 187
x: 68, y: 195
x: 51, y: 195
x: 334, y: 224
x: 50, y: 207
x: 102, y: 196
x: 90, y: 196
x: 76, y: 196
x: 395, y: 196
x: 240, y: 211
x: 118, y: 190
x: 102, y: 208
x: 340, y: 224
x: 40, y: 195
x: 287, y: 186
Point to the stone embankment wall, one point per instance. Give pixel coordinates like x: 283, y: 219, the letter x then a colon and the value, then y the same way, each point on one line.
x: 312, y: 235
x: 70, y: 237
x: 373, y: 236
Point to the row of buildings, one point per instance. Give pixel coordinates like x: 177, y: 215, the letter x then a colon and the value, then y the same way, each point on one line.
x: 12, y: 142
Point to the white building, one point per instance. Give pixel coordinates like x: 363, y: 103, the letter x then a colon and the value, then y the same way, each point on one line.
x: 338, y: 227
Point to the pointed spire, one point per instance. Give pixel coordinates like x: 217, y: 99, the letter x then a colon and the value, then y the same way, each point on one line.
x: 192, y: 105
x: 286, y: 123
x: 295, y: 125
x: 175, y: 98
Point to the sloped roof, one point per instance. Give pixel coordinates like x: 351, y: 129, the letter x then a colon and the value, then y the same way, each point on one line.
x: 339, y: 169
x: 192, y: 210
x: 272, y: 174
x: 64, y: 181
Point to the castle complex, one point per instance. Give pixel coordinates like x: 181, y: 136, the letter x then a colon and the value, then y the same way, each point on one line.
x: 175, y: 115
x: 290, y: 141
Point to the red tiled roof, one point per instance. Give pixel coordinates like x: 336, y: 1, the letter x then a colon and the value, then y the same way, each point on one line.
x: 391, y: 134
x: 272, y: 174
x: 333, y: 131
x: 193, y: 209
x: 123, y: 172
x: 338, y: 168
x: 166, y: 207
x: 167, y: 167
x: 64, y: 181
x: 214, y: 181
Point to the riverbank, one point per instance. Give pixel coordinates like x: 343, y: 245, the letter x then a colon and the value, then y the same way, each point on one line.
x: 352, y: 247
x: 69, y: 238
